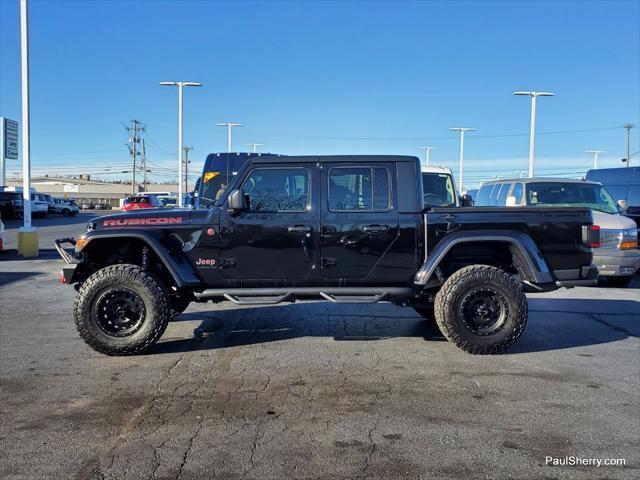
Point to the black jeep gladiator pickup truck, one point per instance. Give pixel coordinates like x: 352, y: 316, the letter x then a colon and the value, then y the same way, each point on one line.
x: 336, y: 228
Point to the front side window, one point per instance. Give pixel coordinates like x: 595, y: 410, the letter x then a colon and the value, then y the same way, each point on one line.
x: 482, y: 200
x: 493, y: 199
x: 277, y: 189
x: 359, y: 189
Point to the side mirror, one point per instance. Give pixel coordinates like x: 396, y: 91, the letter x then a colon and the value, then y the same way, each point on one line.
x: 237, y: 202
x: 466, y: 200
x: 622, y: 205
x: 512, y: 201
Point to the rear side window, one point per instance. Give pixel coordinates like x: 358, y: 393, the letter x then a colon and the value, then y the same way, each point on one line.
x: 482, y: 200
x: 359, y: 189
x: 493, y: 198
x: 517, y: 192
x: 277, y: 189
x: 501, y: 199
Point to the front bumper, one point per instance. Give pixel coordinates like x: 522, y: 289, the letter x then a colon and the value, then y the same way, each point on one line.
x: 614, y: 263
x: 68, y: 255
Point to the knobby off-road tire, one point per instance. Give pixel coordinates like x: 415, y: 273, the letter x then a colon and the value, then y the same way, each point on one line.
x: 481, y: 309
x: 121, y: 310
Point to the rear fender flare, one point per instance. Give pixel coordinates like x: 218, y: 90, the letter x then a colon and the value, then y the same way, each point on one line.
x: 530, y: 260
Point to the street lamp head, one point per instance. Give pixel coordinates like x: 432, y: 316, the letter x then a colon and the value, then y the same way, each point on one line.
x: 229, y: 124
x: 535, y: 94
x: 168, y: 83
x: 191, y: 84
x: 463, y: 129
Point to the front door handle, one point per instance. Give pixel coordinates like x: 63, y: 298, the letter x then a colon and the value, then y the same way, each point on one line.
x: 375, y: 228
x: 298, y: 229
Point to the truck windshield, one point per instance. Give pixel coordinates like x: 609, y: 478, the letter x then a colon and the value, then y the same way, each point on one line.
x: 558, y: 194
x: 438, y: 190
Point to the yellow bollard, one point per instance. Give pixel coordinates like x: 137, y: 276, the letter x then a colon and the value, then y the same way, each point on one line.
x: 28, y: 244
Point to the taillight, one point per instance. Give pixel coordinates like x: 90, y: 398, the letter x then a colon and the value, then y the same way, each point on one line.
x: 591, y: 236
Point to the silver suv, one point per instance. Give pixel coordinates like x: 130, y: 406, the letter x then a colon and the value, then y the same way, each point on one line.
x: 617, y: 258
x: 64, y: 206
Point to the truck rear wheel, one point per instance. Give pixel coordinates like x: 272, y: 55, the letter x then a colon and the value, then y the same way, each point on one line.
x: 481, y: 309
x: 121, y: 310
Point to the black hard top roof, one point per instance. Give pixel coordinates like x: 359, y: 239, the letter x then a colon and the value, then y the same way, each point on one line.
x: 334, y: 158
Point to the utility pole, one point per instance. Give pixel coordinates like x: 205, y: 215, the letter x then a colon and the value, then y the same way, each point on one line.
x: 595, y: 156
x: 427, y: 151
x: 135, y: 128
x: 144, y: 166
x: 628, y: 126
x: 461, y: 130
x: 186, y: 168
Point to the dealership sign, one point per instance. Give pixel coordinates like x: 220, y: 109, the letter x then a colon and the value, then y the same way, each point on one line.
x: 10, y: 138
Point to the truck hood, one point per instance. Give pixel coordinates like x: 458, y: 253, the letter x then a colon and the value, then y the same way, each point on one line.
x: 152, y: 217
x: 611, y: 221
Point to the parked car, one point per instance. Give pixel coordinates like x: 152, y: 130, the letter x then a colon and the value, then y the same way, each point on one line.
x: 102, y: 206
x: 344, y: 229
x: 39, y: 205
x: 624, y: 186
x: 10, y: 204
x: 49, y: 201
x: 65, y: 207
x: 617, y: 258
x: 141, y: 201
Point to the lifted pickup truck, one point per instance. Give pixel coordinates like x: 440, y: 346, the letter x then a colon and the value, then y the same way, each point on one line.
x: 336, y: 228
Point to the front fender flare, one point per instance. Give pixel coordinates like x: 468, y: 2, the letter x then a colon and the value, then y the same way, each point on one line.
x: 178, y: 266
x: 522, y: 246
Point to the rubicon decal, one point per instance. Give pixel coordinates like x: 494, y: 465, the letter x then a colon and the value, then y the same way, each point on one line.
x: 128, y: 222
x: 205, y: 262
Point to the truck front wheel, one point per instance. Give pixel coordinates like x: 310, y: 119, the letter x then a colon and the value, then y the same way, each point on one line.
x: 481, y: 309
x: 121, y: 310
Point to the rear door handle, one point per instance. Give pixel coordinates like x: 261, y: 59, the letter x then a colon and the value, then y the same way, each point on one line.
x: 375, y: 228
x: 298, y: 229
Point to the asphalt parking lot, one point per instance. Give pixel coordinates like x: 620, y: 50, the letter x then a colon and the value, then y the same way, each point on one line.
x: 312, y: 390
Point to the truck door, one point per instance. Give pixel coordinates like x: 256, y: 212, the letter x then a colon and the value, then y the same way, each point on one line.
x: 359, y: 220
x: 274, y: 238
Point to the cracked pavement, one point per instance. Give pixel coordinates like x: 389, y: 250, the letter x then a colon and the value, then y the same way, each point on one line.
x: 315, y: 390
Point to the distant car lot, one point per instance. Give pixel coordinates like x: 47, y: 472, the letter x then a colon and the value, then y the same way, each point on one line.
x: 311, y: 390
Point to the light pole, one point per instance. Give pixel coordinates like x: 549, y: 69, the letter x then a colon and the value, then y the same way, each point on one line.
x: 27, y: 235
x: 427, y: 151
x: 628, y: 126
x: 595, y: 156
x: 180, y: 148
x: 229, y: 126
x: 532, y: 136
x: 254, y: 146
x: 461, y: 130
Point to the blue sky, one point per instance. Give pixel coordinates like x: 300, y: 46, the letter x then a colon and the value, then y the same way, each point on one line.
x: 327, y: 78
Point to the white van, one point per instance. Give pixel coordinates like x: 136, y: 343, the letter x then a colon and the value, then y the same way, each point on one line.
x: 617, y: 258
x: 438, y: 187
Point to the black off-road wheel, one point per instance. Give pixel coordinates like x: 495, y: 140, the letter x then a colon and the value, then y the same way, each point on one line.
x: 481, y: 309
x: 121, y: 310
